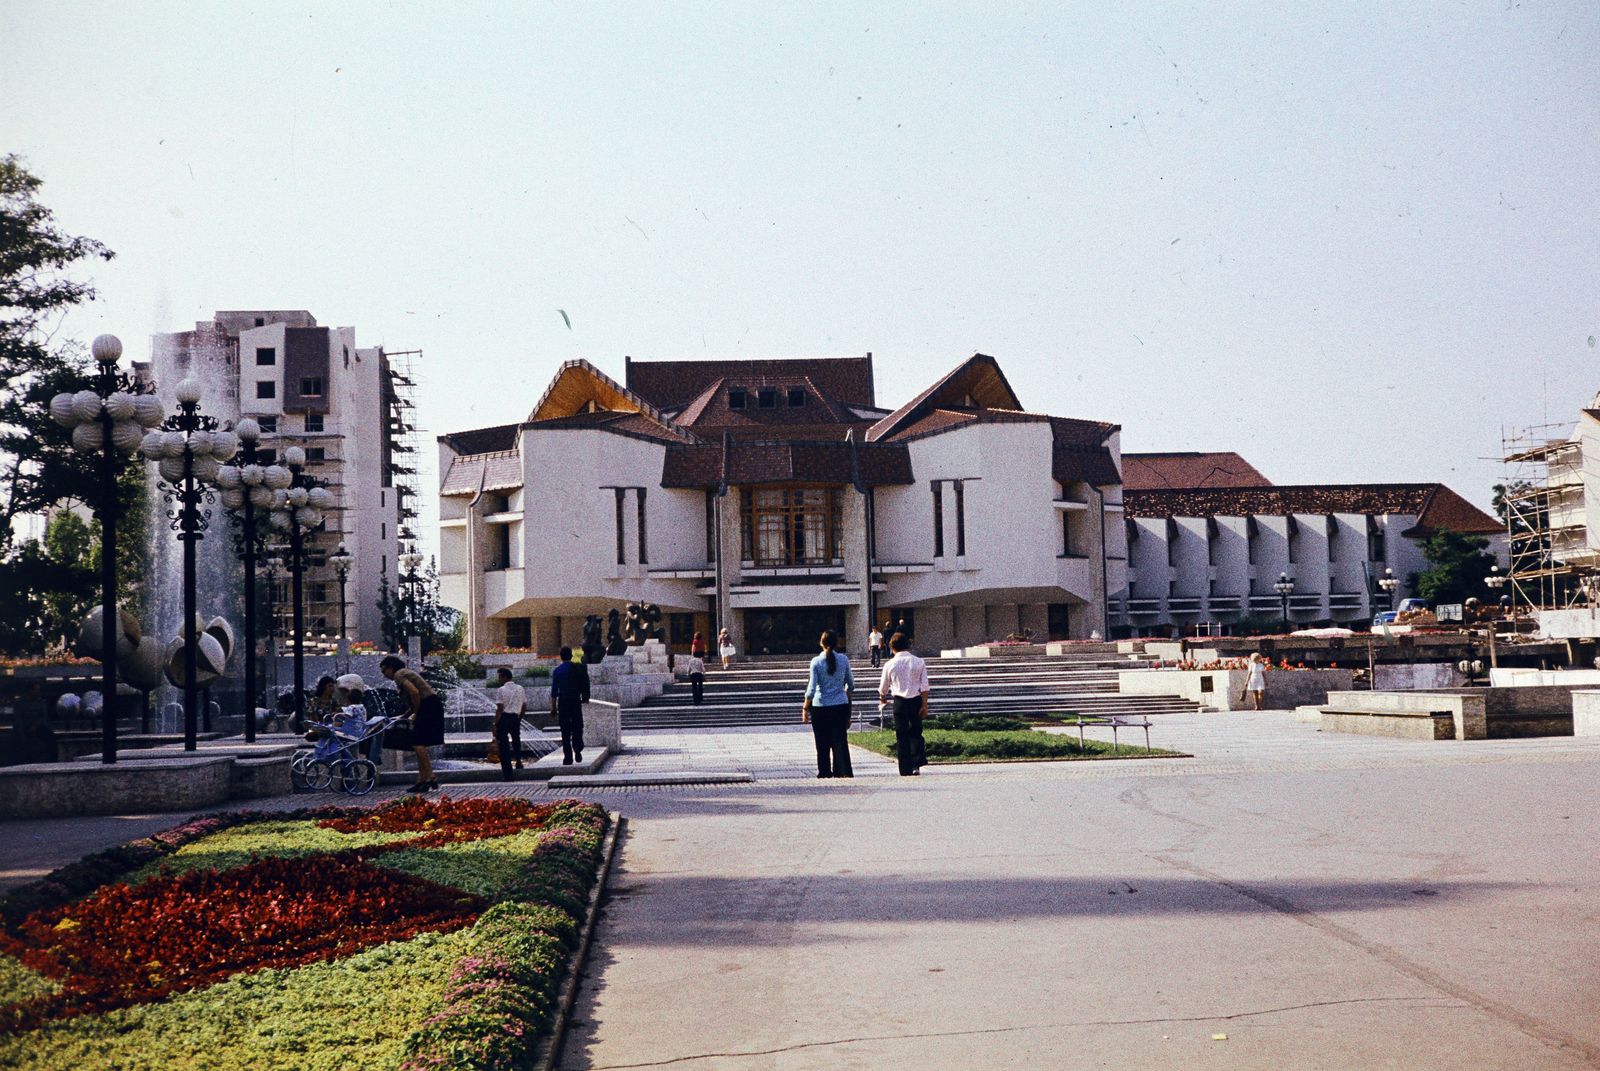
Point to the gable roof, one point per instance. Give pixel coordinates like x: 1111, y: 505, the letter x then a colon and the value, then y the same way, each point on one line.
x: 976, y: 383
x: 1148, y: 472
x: 674, y: 384
x: 578, y: 383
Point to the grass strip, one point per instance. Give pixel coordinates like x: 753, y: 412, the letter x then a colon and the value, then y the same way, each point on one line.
x: 954, y: 745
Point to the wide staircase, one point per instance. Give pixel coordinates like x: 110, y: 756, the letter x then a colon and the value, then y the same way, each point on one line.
x: 768, y: 691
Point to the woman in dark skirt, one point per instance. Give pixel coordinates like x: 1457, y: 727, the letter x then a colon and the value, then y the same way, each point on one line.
x: 427, y: 719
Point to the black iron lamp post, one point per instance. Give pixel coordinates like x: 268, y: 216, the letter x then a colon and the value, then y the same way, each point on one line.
x: 341, y: 565
x: 111, y: 421
x: 297, y: 509
x: 1284, y: 587
x: 246, y: 490
x: 409, y: 562
x: 1495, y: 581
x: 1389, y: 584
x: 189, y: 452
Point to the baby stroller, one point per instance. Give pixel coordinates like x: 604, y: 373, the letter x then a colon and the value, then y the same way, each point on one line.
x: 335, y: 759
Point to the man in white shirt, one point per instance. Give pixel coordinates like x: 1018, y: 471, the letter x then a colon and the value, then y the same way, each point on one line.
x: 509, y: 704
x: 905, y: 681
x: 695, y: 666
x: 875, y: 646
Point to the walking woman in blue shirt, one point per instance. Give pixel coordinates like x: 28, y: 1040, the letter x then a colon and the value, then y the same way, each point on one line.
x: 827, y: 708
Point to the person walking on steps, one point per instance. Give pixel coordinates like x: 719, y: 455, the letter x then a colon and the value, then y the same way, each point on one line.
x: 426, y: 718
x: 875, y: 646
x: 725, y: 647
x: 569, y: 690
x: 509, y: 703
x: 827, y: 708
x: 695, y: 667
x: 698, y: 646
x: 905, y: 683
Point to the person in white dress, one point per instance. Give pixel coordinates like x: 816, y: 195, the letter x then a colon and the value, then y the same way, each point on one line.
x: 1256, y: 684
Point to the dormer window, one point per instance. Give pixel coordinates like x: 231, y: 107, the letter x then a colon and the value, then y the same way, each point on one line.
x: 767, y: 398
x: 797, y: 397
x: 735, y: 397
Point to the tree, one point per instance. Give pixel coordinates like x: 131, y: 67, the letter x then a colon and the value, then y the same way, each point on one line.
x: 1460, y: 562
x: 416, y: 612
x: 38, y: 467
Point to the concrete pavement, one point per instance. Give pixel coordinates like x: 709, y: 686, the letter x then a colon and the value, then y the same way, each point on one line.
x: 1325, y: 901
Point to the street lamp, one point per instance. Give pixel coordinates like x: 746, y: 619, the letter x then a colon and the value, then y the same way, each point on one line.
x: 189, y: 453
x: 341, y: 565
x: 1283, y: 587
x: 109, y: 420
x: 1495, y: 582
x: 1389, y: 584
x: 409, y: 562
x: 246, y: 488
x: 297, y: 508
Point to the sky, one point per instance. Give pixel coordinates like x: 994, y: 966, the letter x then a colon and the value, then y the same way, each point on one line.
x: 1352, y: 242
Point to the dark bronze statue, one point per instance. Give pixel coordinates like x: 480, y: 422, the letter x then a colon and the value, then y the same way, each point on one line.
x: 593, y: 649
x: 644, y: 623
x: 614, y: 642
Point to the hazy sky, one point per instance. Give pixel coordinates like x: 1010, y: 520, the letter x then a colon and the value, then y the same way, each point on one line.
x: 1351, y: 244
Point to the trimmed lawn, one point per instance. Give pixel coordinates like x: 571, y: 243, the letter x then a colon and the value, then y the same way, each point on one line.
x: 1017, y: 745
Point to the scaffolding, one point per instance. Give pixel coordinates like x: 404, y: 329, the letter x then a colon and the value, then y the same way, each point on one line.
x: 1546, y: 524
x: 402, y: 437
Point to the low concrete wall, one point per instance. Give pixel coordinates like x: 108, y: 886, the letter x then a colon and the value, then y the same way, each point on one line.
x: 1533, y: 678
x: 1478, y: 713
x: 1404, y: 714
x: 1403, y: 677
x: 1221, y: 688
x: 69, y: 789
x: 1585, y: 713
x: 258, y: 778
x: 602, y: 725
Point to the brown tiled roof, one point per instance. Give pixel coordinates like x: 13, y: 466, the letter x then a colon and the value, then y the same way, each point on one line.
x: 482, y: 440
x: 766, y: 461
x: 709, y: 411
x: 1414, y: 499
x: 672, y: 384
x: 498, y: 472
x: 1148, y: 472
x: 976, y: 382
x: 635, y: 424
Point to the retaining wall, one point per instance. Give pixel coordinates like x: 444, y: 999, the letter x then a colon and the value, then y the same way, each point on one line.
x: 1221, y: 688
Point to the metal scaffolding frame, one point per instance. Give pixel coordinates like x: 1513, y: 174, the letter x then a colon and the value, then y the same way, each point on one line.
x: 403, y: 440
x: 1546, y: 528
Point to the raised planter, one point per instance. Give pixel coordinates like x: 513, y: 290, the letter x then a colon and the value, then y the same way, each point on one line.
x: 1221, y: 688
x: 130, y: 786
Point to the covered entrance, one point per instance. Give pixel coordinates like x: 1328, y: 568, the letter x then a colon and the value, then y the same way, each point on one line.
x: 790, y: 632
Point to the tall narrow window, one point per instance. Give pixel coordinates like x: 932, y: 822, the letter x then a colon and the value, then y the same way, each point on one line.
x: 644, y: 544
x: 938, y: 519
x: 961, y: 518
x: 622, y: 548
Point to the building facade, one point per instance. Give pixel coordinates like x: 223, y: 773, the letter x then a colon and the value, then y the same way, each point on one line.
x: 776, y: 499
x: 312, y: 387
x: 1209, y: 537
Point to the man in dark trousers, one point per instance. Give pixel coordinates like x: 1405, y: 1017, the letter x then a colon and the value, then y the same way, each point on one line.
x: 905, y: 683
x: 569, y: 690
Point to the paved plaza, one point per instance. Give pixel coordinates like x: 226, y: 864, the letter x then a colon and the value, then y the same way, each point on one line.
x: 1323, y: 901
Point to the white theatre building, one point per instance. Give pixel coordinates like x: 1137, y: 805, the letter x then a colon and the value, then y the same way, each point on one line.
x: 776, y: 498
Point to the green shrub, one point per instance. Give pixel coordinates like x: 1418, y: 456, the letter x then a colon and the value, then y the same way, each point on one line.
x: 536, y: 671
x: 977, y: 723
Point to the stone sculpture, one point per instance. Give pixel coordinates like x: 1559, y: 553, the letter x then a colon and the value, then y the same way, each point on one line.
x: 593, y: 650
x: 643, y: 623
x: 615, y: 645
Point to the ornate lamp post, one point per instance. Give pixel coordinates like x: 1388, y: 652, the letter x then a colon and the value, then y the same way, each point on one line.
x: 341, y: 564
x: 1495, y: 582
x: 189, y: 453
x: 297, y: 509
x: 1389, y: 584
x: 109, y: 420
x: 1284, y: 587
x: 247, y: 488
x: 409, y: 562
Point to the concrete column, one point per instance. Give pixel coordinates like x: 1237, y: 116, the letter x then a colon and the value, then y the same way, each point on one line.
x: 730, y: 556
x: 853, y: 529
x: 477, y: 560
x: 1098, y: 610
x: 935, y: 628
x: 1037, y: 617
x: 1002, y: 621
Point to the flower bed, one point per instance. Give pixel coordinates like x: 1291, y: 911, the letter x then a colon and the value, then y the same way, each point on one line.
x: 423, y: 933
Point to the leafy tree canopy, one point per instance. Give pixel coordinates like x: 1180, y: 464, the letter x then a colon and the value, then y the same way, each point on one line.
x: 38, y: 468
x: 1459, y: 564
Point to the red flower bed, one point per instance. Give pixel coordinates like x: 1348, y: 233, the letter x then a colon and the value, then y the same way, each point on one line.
x: 133, y: 945
x: 446, y: 819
